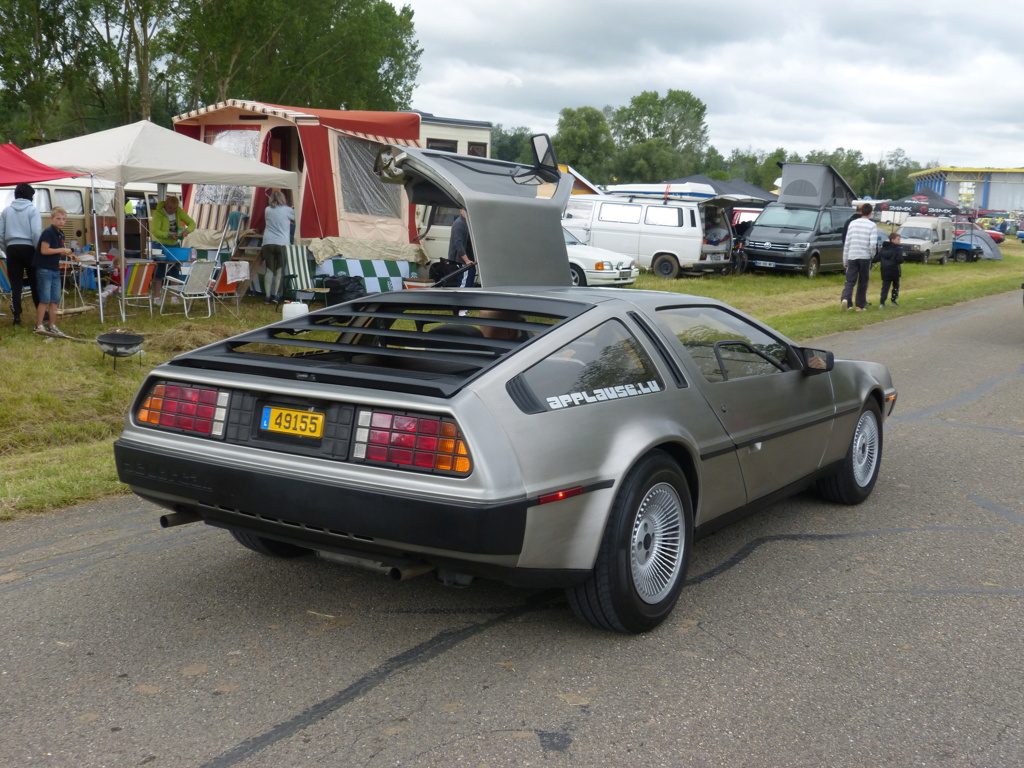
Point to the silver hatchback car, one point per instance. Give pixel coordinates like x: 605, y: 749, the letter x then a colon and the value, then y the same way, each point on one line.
x: 544, y: 435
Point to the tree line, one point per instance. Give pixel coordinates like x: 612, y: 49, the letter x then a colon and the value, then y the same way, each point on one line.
x: 70, y: 67
x: 655, y: 139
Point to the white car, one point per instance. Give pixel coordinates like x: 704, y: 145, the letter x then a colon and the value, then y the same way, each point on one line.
x: 597, y: 266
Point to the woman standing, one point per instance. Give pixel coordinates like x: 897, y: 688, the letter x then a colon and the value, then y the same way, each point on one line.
x: 277, y: 234
x: 20, y: 228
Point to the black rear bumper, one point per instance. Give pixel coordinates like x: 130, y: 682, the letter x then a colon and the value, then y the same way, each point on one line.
x: 317, y: 515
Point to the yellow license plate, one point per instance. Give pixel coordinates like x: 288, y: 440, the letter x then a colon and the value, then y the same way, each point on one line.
x: 288, y: 422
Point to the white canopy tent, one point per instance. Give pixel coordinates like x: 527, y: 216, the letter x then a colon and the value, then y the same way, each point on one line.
x: 144, y: 151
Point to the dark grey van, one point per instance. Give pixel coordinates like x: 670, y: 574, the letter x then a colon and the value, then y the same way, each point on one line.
x: 797, y: 238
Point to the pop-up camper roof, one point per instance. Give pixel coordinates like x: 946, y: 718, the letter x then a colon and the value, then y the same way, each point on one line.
x: 814, y: 184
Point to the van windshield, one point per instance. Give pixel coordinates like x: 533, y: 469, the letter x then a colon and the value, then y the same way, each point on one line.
x: 787, y: 218
x: 917, y: 233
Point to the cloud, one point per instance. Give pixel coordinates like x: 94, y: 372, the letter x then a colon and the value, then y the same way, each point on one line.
x: 798, y: 74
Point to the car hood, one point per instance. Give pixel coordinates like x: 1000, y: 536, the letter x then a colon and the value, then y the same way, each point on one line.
x: 589, y: 252
x: 514, y: 210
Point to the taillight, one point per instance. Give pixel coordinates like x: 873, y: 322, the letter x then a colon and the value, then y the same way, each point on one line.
x: 195, y: 410
x: 410, y: 441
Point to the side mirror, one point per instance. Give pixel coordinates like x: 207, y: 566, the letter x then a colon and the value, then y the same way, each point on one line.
x: 817, y: 361
x: 544, y: 161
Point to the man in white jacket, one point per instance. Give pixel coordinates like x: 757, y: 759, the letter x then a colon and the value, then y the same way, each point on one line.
x: 20, y: 229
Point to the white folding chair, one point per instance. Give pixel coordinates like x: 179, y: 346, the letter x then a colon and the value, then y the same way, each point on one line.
x: 197, y: 286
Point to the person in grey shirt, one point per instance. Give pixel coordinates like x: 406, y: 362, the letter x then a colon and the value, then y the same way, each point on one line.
x: 277, y: 235
x: 20, y: 228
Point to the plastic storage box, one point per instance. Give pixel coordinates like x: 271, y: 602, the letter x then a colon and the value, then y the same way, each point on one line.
x: 171, y: 253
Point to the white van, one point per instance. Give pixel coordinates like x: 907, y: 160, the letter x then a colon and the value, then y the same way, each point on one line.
x: 664, y: 235
x: 926, y: 238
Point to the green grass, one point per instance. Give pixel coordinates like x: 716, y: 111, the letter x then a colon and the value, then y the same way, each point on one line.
x: 62, y: 404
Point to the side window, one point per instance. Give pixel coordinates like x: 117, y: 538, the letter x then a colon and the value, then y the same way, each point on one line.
x: 443, y: 217
x: 723, y: 346
x: 620, y: 213
x: 693, y: 217
x: 606, y: 363
x: 41, y: 201
x: 443, y: 145
x: 664, y: 216
x: 578, y: 209
x: 70, y: 200
x: 825, y: 225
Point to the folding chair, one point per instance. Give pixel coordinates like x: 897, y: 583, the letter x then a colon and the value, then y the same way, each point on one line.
x: 300, y: 281
x: 197, y: 286
x: 135, y: 284
x: 225, y: 288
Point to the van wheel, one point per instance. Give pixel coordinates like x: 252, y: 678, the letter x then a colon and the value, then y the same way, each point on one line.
x: 578, y: 278
x: 925, y: 257
x: 944, y: 259
x: 666, y: 266
x: 812, y: 267
x: 961, y: 256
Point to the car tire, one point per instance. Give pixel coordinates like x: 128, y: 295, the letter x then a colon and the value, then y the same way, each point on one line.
x: 811, y: 270
x: 578, y: 278
x: 944, y: 259
x: 925, y: 256
x: 961, y: 256
x: 856, y: 478
x: 666, y: 266
x: 269, y: 547
x: 641, y: 565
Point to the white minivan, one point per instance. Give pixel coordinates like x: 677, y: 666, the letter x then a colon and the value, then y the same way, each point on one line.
x: 664, y: 235
x: 927, y: 238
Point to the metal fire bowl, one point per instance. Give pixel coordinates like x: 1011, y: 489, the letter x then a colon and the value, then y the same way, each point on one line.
x: 119, y: 344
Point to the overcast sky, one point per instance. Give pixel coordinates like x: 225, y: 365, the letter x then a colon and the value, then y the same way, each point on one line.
x: 931, y: 77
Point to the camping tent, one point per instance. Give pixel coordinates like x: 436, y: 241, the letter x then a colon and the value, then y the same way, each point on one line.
x: 925, y: 202
x: 144, y: 151
x: 16, y: 167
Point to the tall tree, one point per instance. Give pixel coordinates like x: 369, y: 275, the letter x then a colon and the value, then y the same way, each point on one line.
x: 353, y: 54
x: 678, y: 118
x: 512, y: 144
x: 651, y: 161
x: 39, y: 60
x: 584, y: 142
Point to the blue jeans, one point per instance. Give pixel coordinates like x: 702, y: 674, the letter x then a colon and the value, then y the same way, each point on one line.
x: 50, y: 287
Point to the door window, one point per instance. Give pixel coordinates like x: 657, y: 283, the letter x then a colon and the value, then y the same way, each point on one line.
x: 725, y: 347
x: 664, y: 216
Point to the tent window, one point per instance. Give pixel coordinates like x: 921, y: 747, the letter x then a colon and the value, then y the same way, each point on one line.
x: 245, y: 143
x: 361, y: 192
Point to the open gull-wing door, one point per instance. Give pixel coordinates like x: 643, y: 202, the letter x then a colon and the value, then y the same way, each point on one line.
x: 513, y: 209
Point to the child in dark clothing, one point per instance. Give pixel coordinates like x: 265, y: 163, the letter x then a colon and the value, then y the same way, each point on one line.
x: 890, y: 256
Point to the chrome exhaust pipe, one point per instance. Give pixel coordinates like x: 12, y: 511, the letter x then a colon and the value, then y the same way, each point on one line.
x: 404, y: 570
x: 181, y: 517
x: 410, y: 572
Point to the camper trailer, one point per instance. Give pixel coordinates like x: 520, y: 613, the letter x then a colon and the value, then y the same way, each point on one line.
x: 803, y: 231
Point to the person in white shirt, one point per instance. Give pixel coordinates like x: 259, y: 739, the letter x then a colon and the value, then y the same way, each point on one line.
x: 858, y: 252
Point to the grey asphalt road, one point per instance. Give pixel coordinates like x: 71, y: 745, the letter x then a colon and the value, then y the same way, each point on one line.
x: 888, y: 634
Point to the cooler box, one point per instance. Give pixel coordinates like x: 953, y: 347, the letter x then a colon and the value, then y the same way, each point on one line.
x: 171, y: 253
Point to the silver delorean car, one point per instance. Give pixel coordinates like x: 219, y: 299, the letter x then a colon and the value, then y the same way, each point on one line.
x: 543, y: 435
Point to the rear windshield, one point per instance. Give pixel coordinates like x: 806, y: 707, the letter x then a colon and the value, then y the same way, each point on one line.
x: 787, y: 218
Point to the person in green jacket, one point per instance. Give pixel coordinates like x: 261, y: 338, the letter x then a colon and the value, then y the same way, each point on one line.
x: 168, y: 226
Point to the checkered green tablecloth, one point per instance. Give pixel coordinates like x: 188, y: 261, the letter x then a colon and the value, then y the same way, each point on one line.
x: 378, y: 275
